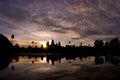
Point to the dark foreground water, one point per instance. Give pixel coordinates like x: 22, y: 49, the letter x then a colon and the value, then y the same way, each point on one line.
x: 42, y: 68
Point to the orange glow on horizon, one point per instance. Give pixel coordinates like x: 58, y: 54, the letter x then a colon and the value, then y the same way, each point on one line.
x: 44, y: 44
x: 43, y: 61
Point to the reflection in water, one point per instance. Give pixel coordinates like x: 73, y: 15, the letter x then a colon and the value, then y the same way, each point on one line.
x: 5, y: 49
x: 55, y: 67
x: 13, y: 68
x: 4, y: 62
x: 43, y: 60
x: 51, y: 59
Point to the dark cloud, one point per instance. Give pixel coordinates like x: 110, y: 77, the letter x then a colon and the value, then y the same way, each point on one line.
x: 75, y: 38
x: 13, y: 12
x: 85, y: 19
x: 113, y: 30
x: 99, y: 20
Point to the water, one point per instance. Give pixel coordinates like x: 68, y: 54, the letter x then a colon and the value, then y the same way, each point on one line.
x: 58, y: 67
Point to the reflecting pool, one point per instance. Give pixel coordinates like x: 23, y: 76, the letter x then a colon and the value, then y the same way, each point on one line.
x: 58, y: 67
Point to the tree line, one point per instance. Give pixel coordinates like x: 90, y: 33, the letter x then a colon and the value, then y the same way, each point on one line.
x: 100, y: 48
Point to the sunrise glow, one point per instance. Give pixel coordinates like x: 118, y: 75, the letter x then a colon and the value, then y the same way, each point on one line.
x: 62, y: 20
x: 43, y: 61
x: 44, y: 44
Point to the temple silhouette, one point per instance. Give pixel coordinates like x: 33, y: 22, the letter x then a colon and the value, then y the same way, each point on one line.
x: 108, y: 51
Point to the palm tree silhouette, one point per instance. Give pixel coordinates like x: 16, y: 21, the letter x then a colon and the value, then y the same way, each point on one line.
x: 12, y: 37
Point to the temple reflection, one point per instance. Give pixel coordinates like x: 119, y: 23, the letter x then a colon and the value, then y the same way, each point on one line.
x: 51, y: 59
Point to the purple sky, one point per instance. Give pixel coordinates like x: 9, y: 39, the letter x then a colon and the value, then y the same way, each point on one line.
x: 62, y: 20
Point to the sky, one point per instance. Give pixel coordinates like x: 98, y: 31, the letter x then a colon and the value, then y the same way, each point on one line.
x: 78, y: 21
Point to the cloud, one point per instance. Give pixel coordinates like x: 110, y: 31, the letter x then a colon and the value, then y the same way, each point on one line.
x: 98, y: 18
x: 13, y: 12
x: 73, y: 19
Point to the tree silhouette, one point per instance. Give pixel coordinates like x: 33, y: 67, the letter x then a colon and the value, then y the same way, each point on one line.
x: 5, y: 44
x: 69, y: 42
x: 6, y: 53
x: 99, y: 43
x: 107, y: 44
x: 32, y: 43
x: 80, y: 44
x: 115, y: 42
x: 59, y: 44
x: 42, y: 46
x: 12, y: 36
